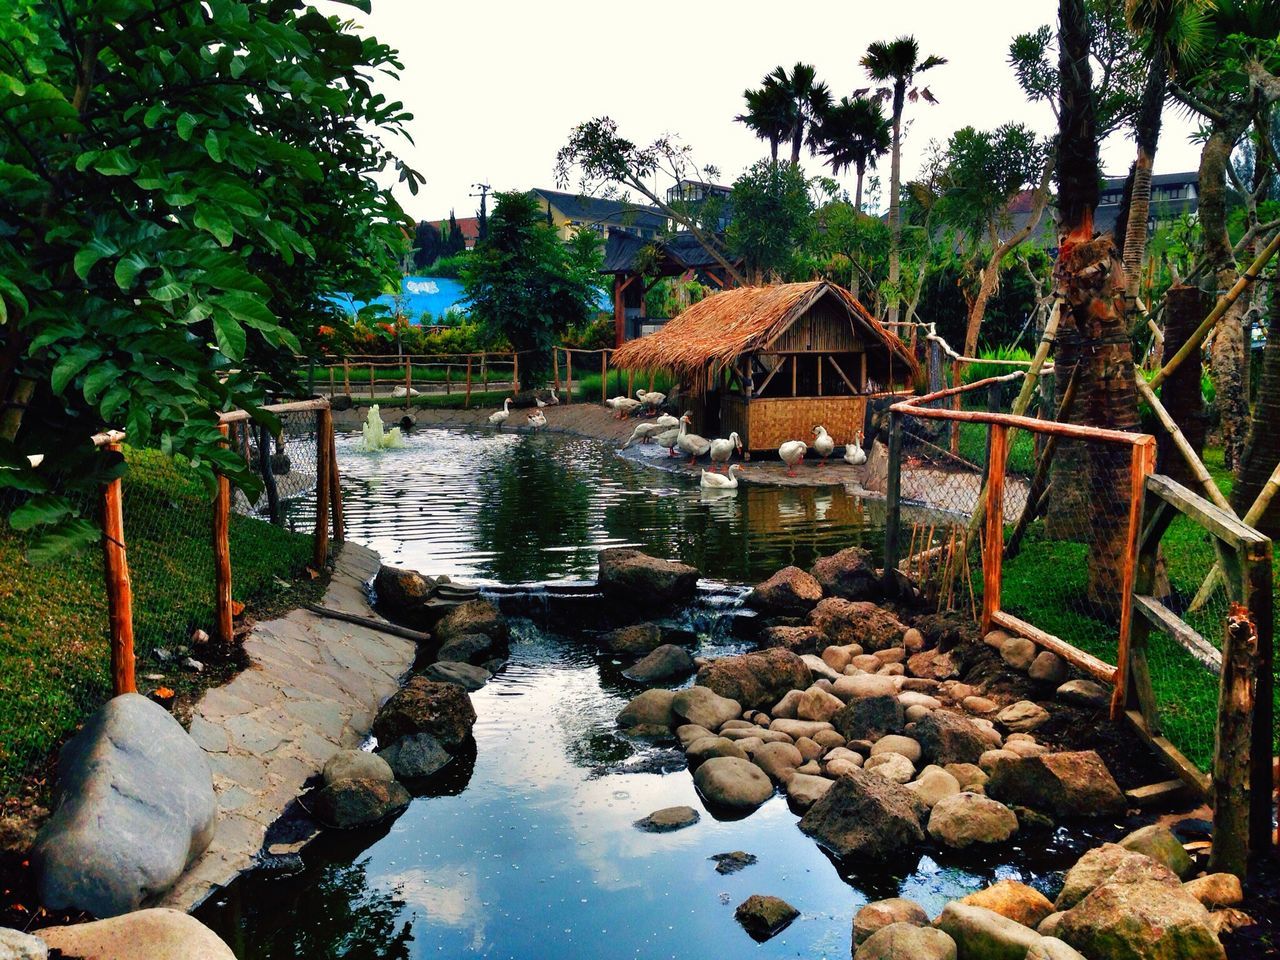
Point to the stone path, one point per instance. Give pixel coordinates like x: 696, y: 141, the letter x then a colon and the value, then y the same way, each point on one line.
x: 313, y: 688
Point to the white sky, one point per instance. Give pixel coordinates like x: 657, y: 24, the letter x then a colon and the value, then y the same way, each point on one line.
x: 496, y: 85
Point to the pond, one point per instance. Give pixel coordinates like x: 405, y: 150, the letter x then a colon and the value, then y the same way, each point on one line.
x: 528, y: 849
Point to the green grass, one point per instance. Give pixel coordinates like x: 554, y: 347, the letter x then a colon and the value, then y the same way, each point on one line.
x: 54, y: 656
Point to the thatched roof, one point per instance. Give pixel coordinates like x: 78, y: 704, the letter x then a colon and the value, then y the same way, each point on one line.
x: 742, y: 320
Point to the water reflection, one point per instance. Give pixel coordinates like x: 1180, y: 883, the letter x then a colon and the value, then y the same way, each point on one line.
x: 525, y: 509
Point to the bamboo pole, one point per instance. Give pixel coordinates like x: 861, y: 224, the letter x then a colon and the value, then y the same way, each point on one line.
x: 1194, y: 463
x: 119, y: 586
x: 1197, y: 339
x: 1259, y: 507
x: 222, y: 554
x: 324, y: 445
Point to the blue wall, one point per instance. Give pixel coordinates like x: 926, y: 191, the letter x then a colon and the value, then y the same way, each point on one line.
x: 432, y: 294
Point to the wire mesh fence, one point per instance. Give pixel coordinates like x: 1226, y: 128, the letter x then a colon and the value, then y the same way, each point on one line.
x: 56, y: 640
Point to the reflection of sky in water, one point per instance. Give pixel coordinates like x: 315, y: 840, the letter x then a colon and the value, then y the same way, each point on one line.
x: 538, y: 856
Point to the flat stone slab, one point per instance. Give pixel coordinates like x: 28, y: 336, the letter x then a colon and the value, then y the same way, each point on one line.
x: 312, y: 689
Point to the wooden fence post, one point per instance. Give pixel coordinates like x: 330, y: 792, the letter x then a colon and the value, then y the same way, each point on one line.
x: 346, y: 376
x: 568, y: 376
x: 1232, y: 754
x: 335, y: 490
x: 1141, y: 463
x: 993, y: 545
x: 466, y: 403
x: 555, y: 367
x: 893, y: 501
x: 371, y: 378
x: 324, y: 474
x: 222, y: 555
x: 515, y: 373
x: 1256, y: 579
x: 604, y: 375
x: 957, y: 371
x: 119, y: 587
x: 408, y: 382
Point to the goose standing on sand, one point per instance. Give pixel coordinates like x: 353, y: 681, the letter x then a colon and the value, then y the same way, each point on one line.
x: 722, y: 449
x: 854, y: 455
x: 791, y: 453
x: 537, y: 420
x: 690, y: 443
x: 668, y: 439
x: 722, y: 481
x: 623, y: 406
x: 823, y: 445
x: 644, y: 432
x: 499, y: 417
x: 651, y: 399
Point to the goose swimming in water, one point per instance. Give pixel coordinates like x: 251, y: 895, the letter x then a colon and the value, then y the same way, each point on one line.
x: 722, y: 481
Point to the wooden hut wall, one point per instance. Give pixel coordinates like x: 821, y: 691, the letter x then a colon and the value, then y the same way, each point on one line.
x: 824, y: 328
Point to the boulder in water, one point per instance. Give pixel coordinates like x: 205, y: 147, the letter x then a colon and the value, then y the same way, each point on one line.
x: 636, y: 578
x: 426, y: 706
x: 849, y: 574
x: 788, y: 593
x: 756, y: 680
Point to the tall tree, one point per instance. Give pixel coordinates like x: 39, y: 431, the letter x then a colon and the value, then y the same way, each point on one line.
x: 768, y: 114
x: 1093, y: 345
x: 896, y: 64
x: 183, y: 183
x: 808, y: 97
x: 524, y: 284
x: 853, y: 134
x: 772, y: 217
x: 454, y: 241
x: 427, y: 246
x: 482, y: 217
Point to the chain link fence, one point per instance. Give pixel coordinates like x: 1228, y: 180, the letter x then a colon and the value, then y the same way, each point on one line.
x: 55, y: 636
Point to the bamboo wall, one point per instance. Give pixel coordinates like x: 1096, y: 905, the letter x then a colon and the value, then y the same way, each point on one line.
x: 764, y: 424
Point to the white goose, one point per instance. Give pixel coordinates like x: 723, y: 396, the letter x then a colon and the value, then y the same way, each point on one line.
x: 854, y: 455
x: 551, y: 401
x: 722, y: 481
x: 668, y: 439
x: 651, y: 399
x: 623, y: 406
x: 499, y: 417
x: 722, y: 449
x: 823, y: 445
x: 644, y: 431
x: 791, y: 453
x: 537, y: 420
x: 690, y: 443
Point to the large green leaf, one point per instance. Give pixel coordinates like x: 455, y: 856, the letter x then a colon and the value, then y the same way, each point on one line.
x: 65, y: 537
x: 70, y: 364
x: 42, y: 508
x: 230, y: 335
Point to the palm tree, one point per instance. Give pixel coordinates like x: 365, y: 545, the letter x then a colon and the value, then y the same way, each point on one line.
x: 1173, y: 32
x: 853, y: 133
x: 768, y: 114
x: 897, y: 63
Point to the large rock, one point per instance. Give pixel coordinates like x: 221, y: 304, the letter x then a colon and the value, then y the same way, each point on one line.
x: 816, y: 704
x: 868, y: 624
x: 1110, y: 861
x: 415, y: 756
x: 868, y: 816
x: 1158, y: 842
x: 634, y: 577
x: 16, y: 945
x: 862, y: 685
x: 667, y: 662
x: 668, y: 819
x: 788, y: 593
x: 755, y: 680
x: 1216, y: 890
x: 733, y: 783
x: 1144, y: 920
x: 778, y: 760
x: 704, y: 707
x: 797, y: 639
x: 764, y: 917
x: 933, y: 784
x: 401, y: 592
x: 1076, y: 784
x: 348, y: 804
x: 964, y: 819
x: 950, y: 738
x: 880, y: 913
x: 475, y: 647
x: 849, y: 574
x: 427, y: 706
x: 982, y: 934
x: 136, y: 806
x: 804, y: 790
x: 1051, y: 948
x: 474, y: 616
x: 705, y: 748
x: 870, y: 718
x: 1022, y: 717
x: 356, y: 765
x: 1084, y: 693
x: 653, y: 708
x: 465, y: 675
x: 1017, y: 901
x: 152, y: 934
x: 906, y: 941
x: 634, y: 640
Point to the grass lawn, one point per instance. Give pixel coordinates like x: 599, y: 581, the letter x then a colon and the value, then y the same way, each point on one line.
x: 1045, y: 585
x: 54, y: 659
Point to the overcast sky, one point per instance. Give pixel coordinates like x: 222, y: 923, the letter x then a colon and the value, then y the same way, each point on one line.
x: 496, y: 85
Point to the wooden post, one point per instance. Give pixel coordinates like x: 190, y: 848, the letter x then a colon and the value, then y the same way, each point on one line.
x: 119, y: 587
x: 333, y: 382
x: 346, y: 376
x: 268, y: 473
x: 515, y: 373
x: 631, y: 382
x: 604, y: 375
x: 408, y: 381
x: 324, y: 475
x: 993, y: 542
x: 371, y: 377
x: 448, y: 378
x: 484, y: 373
x: 1232, y: 753
x: 335, y: 490
x: 819, y: 374
x: 1141, y: 463
x: 994, y: 396
x: 555, y: 367
x: 957, y: 371
x: 568, y: 376
x: 222, y: 555
x: 794, y: 364
x: 893, y: 501
x: 466, y: 403
x: 651, y: 376
x: 1257, y: 593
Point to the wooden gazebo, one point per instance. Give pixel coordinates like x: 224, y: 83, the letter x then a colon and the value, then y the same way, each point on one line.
x: 772, y: 362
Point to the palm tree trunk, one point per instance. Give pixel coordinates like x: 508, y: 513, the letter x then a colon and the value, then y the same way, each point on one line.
x: 895, y: 222
x: 1147, y: 133
x: 861, y: 169
x: 1262, y: 448
x: 1181, y: 394
x: 773, y: 149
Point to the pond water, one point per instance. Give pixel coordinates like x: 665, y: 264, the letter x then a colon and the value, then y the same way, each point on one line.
x: 528, y: 849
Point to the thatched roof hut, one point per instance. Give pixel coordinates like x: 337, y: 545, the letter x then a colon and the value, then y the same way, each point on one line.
x: 771, y: 362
